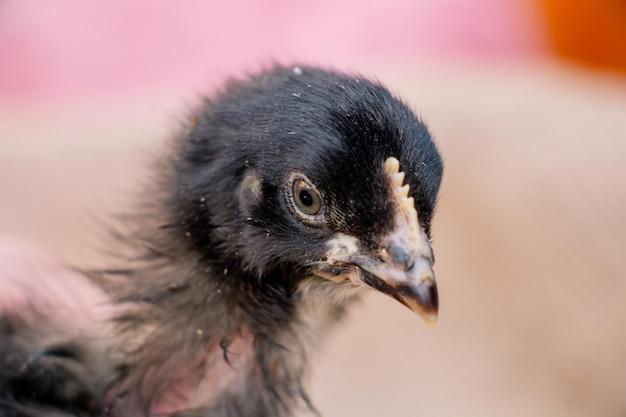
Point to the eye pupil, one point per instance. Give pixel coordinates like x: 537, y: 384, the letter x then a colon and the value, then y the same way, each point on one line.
x: 306, y: 198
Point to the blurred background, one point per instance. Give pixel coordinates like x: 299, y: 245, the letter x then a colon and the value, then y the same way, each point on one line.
x: 527, y: 102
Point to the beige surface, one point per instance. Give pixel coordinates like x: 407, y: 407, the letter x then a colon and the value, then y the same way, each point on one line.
x: 528, y: 237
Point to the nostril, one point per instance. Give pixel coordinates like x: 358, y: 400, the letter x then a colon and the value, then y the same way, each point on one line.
x: 400, y: 257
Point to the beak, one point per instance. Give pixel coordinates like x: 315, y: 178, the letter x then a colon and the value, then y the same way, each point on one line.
x: 402, y: 269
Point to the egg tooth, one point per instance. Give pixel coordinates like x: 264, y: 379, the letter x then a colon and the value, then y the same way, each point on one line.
x: 400, y: 192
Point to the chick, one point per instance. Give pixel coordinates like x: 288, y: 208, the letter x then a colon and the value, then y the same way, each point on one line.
x: 286, y: 195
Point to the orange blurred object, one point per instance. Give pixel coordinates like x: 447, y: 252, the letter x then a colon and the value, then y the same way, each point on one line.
x: 590, y: 32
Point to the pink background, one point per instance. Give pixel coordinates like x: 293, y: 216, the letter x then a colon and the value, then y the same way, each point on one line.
x: 68, y: 48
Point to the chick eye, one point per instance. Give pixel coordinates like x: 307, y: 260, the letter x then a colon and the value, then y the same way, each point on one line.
x: 305, y: 198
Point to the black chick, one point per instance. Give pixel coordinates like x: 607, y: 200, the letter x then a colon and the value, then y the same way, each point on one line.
x: 286, y: 194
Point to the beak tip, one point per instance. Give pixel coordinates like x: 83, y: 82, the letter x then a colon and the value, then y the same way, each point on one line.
x: 423, y: 299
x: 430, y: 305
x: 430, y: 317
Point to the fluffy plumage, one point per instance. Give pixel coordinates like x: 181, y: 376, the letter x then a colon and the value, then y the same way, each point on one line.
x: 283, y: 196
